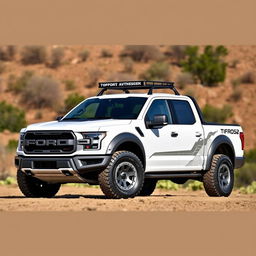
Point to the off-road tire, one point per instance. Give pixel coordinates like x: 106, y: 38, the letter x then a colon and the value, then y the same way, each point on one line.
x: 33, y: 187
x: 148, y: 187
x: 211, y: 177
x: 108, y: 182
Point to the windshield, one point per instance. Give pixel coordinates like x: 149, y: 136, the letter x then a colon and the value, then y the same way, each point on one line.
x: 111, y: 108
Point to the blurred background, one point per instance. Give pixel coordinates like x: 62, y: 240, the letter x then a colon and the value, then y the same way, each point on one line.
x: 38, y: 83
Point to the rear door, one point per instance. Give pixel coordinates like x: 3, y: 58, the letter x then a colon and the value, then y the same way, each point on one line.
x: 187, y: 143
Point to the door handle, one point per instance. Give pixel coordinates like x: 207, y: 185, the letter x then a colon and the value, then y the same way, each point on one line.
x: 174, y: 134
x: 198, y: 134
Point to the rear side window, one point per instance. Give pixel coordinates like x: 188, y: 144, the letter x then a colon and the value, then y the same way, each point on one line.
x: 182, y: 112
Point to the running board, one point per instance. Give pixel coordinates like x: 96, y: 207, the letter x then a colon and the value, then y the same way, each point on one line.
x: 172, y: 175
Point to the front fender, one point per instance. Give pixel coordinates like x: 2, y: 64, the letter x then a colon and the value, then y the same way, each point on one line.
x: 122, y: 138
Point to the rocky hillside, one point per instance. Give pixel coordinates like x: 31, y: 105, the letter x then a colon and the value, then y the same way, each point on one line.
x: 79, y: 68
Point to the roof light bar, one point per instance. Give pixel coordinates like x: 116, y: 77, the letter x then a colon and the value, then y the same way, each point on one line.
x: 136, y: 85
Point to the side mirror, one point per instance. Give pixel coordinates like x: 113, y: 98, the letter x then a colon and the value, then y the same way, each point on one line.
x: 58, y: 118
x: 158, y: 121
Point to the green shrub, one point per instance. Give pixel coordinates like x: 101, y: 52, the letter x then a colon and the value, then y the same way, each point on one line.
x: 2, y: 67
x: 218, y: 115
x: 250, y: 156
x: 17, y: 85
x: 84, y: 55
x: 33, y: 55
x: 245, y: 175
x: 195, y: 185
x: 94, y: 75
x: 157, y: 71
x: 248, y: 78
x: 105, y: 53
x: 184, y: 79
x: 57, y: 55
x: 69, y: 85
x: 11, y: 118
x: 12, y: 145
x: 72, y: 100
x: 7, y: 53
x: 208, y: 67
x: 128, y: 65
x: 42, y: 91
x: 251, y: 189
x: 142, y: 53
x: 167, y: 184
x: 8, y: 181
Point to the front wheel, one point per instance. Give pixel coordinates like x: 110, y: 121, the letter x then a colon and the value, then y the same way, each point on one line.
x: 219, y: 180
x: 33, y: 187
x: 124, y: 176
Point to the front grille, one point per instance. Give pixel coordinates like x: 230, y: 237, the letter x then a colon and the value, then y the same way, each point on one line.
x: 53, y: 142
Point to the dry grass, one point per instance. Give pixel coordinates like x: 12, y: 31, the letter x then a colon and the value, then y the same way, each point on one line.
x: 142, y: 53
x: 42, y: 91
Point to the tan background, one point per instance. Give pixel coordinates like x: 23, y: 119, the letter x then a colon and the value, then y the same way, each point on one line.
x: 128, y: 22
x: 106, y: 22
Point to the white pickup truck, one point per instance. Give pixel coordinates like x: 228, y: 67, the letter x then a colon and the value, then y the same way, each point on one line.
x: 127, y: 142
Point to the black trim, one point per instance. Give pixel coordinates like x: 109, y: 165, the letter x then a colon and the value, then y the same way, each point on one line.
x: 169, y: 175
x: 139, y: 131
x: 218, y: 141
x: 239, y: 162
x: 123, y: 138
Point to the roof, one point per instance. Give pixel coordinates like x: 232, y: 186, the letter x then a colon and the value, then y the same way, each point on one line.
x: 146, y: 95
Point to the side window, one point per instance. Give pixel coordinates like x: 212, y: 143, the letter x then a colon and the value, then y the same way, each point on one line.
x: 158, y: 107
x: 182, y: 112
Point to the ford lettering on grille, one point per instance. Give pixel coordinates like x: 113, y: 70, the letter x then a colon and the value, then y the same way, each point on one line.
x: 49, y: 142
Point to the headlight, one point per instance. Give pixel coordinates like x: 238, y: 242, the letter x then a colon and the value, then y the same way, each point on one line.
x: 92, y: 140
x: 21, y: 141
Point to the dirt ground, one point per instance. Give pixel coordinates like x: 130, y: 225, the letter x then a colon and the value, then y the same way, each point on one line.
x: 92, y: 199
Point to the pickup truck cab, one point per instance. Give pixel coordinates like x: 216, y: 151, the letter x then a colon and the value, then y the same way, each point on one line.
x: 127, y: 142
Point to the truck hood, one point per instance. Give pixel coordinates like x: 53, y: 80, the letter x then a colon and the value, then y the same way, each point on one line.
x: 77, y: 126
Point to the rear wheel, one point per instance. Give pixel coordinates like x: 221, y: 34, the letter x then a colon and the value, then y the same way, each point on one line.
x: 124, y: 176
x: 219, y: 180
x: 148, y: 187
x: 33, y: 187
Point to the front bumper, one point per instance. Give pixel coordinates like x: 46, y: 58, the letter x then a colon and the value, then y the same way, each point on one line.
x: 62, y: 169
